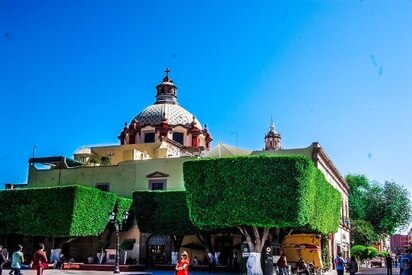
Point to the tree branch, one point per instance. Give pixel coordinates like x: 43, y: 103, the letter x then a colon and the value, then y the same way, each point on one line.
x: 249, y: 240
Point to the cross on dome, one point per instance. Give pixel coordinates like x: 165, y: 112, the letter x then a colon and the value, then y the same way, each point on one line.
x: 166, y: 78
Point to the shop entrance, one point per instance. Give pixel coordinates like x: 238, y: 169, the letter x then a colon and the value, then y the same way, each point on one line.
x: 156, y: 249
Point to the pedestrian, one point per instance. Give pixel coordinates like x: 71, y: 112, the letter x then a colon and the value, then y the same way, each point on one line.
x: 340, y: 264
x: 182, y: 265
x: 302, y: 267
x: 3, y: 259
x: 388, y: 263
x: 405, y: 261
x: 282, y: 264
x: 212, y: 262
x: 352, y: 266
x: 195, y: 260
x: 236, y: 261
x: 17, y: 259
x: 40, y: 260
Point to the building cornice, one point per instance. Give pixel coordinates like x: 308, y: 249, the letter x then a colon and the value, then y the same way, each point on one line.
x: 318, y: 153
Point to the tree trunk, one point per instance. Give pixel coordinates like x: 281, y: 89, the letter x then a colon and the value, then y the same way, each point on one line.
x: 175, y: 257
x: 125, y: 257
x: 253, y: 264
x: 256, y: 238
x: 205, y: 240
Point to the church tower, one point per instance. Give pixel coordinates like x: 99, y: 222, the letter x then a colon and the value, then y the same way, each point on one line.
x: 272, y: 139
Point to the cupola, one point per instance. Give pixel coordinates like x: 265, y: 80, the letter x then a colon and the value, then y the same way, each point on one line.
x: 272, y: 139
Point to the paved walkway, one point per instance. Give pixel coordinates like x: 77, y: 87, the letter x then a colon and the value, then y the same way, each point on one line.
x: 91, y: 272
x: 374, y: 271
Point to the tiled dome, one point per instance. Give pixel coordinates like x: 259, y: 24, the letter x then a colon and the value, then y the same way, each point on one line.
x: 175, y: 115
x: 162, y: 121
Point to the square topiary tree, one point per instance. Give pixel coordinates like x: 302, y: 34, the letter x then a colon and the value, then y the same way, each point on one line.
x: 256, y: 193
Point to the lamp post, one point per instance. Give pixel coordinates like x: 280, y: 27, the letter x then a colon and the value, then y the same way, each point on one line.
x: 118, y: 226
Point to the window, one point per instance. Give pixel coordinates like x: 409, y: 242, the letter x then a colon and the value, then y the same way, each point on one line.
x: 132, y: 139
x: 178, y: 137
x: 149, y: 137
x: 158, y: 184
x: 103, y: 187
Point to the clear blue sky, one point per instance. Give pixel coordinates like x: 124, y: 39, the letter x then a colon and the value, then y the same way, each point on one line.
x: 336, y: 72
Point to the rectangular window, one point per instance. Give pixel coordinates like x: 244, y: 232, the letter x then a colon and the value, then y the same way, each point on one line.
x: 149, y: 137
x: 178, y: 137
x: 159, y: 184
x: 103, y: 187
x: 132, y: 139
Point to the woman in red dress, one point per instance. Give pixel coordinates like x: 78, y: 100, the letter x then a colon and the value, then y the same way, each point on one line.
x: 182, y: 265
x: 40, y: 260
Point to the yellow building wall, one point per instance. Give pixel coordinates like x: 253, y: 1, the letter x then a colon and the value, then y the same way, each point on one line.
x: 123, y: 178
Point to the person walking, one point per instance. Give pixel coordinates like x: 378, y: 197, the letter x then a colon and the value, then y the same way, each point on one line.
x: 40, y: 260
x: 302, y: 267
x: 340, y: 264
x: 388, y: 263
x: 212, y: 262
x: 352, y: 266
x: 182, y: 265
x: 282, y: 264
x: 17, y: 259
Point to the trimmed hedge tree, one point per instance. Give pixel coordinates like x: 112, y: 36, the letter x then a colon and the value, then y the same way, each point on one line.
x: 255, y: 193
x: 164, y: 212
x: 66, y: 211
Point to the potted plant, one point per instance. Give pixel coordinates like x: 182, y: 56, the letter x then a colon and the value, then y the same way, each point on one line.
x: 126, y: 244
x: 101, y: 246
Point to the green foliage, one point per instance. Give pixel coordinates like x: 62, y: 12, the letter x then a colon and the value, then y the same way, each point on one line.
x: 364, y: 252
x: 397, y: 208
x: 370, y: 252
x: 262, y: 191
x: 362, y: 232
x: 127, y: 244
x: 325, y: 253
x: 357, y: 251
x: 102, y: 245
x: 66, y: 211
x: 123, y: 205
x: 104, y: 160
x: 384, y: 254
x: 387, y: 207
x: 163, y: 212
x: 359, y: 185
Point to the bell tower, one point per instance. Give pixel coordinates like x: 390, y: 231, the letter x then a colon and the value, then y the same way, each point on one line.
x: 272, y: 139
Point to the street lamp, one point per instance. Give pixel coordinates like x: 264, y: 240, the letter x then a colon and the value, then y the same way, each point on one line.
x: 118, y: 226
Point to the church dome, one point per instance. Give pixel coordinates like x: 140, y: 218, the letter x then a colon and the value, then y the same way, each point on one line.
x: 174, y: 113
x: 166, y: 120
x: 166, y: 108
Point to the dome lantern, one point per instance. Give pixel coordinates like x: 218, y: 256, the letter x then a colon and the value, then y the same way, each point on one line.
x: 166, y: 90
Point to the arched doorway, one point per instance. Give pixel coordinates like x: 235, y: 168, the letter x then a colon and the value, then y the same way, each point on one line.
x: 156, y: 246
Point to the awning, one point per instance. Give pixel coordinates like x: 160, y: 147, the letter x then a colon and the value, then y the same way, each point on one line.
x: 310, y: 247
x: 60, y: 161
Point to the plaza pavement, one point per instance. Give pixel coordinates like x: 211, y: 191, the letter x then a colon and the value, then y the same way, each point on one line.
x: 95, y: 272
x: 372, y: 271
x: 150, y: 272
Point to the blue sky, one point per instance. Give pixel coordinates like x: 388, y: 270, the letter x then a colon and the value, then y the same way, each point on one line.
x: 336, y: 72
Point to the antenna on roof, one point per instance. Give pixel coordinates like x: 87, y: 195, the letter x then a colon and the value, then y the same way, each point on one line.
x: 34, y: 150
